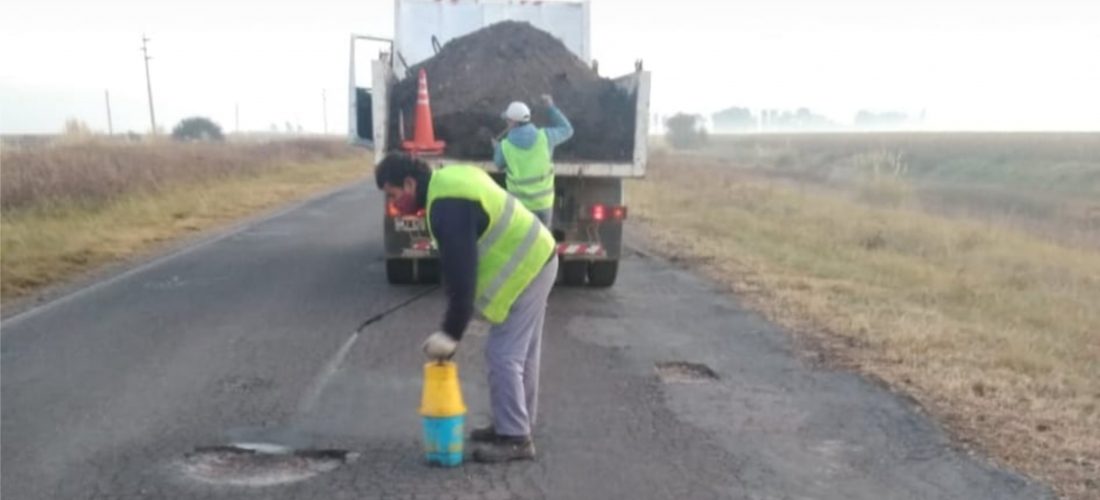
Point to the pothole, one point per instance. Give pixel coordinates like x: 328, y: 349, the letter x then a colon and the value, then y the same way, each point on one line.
x: 260, y: 464
x: 685, y: 372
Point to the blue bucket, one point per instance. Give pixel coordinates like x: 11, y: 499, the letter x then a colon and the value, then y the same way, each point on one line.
x: 443, y: 438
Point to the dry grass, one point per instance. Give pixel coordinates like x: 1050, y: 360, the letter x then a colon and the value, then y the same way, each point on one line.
x: 1047, y: 184
x: 76, y: 207
x: 997, y: 331
x: 90, y: 172
x: 1045, y: 161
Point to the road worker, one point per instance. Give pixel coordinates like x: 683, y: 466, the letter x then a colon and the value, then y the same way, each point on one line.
x: 525, y: 155
x: 496, y: 259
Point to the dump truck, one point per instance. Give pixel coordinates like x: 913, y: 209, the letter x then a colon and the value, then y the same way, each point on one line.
x: 590, y: 206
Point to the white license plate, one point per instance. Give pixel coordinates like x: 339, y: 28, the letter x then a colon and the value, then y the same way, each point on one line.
x: 408, y: 224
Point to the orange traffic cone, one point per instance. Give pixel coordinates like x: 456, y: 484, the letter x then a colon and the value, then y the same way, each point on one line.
x: 424, y: 133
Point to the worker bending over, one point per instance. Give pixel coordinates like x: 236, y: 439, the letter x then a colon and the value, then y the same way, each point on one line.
x: 497, y: 259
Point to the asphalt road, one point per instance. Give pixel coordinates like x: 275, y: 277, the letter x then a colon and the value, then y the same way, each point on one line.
x: 255, y: 337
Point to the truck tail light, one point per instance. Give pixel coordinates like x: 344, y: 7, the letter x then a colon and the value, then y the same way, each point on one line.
x: 392, y: 211
x: 599, y: 212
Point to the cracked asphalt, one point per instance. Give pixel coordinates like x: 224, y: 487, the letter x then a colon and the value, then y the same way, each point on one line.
x: 106, y: 390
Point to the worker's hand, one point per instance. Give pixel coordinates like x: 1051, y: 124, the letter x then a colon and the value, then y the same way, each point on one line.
x: 548, y: 100
x: 439, y: 346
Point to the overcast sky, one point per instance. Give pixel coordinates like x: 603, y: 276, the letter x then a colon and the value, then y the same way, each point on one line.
x: 972, y: 64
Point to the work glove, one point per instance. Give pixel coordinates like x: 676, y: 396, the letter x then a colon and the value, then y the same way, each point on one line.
x: 548, y: 100
x: 439, y: 346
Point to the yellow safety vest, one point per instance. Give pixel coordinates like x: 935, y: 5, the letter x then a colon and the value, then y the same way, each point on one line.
x: 530, y: 173
x: 514, y: 247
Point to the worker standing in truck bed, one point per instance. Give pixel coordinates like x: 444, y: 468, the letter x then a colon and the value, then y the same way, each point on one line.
x: 496, y: 258
x: 526, y: 156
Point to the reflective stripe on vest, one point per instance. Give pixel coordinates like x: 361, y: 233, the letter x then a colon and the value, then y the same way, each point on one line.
x: 486, y: 296
x: 530, y: 172
x: 532, y: 197
x: 514, y: 247
x: 493, y: 234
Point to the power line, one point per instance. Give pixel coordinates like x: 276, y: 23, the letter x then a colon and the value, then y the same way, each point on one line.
x: 148, y: 82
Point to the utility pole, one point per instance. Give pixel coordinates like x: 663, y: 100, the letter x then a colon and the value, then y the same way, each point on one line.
x: 237, y: 117
x: 148, y: 82
x: 324, y: 110
x: 110, y: 126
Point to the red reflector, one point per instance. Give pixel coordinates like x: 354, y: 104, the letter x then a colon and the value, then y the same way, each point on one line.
x: 392, y: 211
x: 599, y: 212
x: 618, y: 213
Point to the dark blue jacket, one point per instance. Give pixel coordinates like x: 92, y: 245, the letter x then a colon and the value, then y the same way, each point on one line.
x: 457, y: 224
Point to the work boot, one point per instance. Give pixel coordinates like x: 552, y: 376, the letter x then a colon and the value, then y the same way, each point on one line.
x: 485, y: 434
x: 505, y: 449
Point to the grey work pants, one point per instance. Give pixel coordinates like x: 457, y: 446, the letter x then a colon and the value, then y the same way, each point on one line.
x: 512, y: 354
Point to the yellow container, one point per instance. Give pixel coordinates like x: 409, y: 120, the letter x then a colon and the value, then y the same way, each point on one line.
x: 442, y: 396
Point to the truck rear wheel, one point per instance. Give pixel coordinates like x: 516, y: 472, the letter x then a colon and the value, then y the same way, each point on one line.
x: 427, y: 271
x: 574, y: 272
x: 602, y: 274
x: 412, y: 271
x: 400, y: 271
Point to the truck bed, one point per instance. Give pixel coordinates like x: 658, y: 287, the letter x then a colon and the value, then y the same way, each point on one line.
x: 637, y: 83
x: 562, y: 169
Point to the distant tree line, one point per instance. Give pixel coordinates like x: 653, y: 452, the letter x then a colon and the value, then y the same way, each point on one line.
x: 742, y: 119
x: 885, y: 120
x: 197, y: 128
x: 686, y: 131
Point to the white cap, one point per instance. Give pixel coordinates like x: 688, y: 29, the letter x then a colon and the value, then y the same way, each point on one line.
x: 517, y: 112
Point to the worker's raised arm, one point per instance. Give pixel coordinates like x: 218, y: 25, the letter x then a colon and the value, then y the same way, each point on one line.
x: 560, y: 130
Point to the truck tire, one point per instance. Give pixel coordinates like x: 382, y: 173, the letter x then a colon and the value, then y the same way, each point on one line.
x: 602, y: 274
x: 400, y: 271
x: 412, y: 271
x: 427, y: 271
x: 573, y: 272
